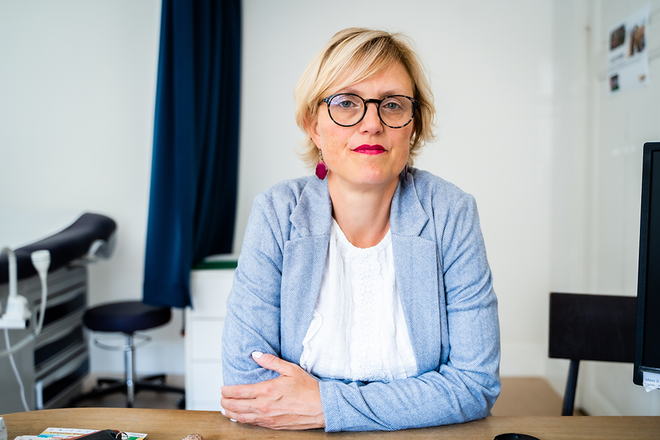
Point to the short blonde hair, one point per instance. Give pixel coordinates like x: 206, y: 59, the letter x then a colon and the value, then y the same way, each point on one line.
x: 351, y: 56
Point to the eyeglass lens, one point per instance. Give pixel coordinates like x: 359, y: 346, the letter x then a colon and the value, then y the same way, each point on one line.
x: 348, y: 109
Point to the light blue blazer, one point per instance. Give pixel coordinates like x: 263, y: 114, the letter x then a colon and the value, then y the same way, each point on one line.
x: 446, y: 292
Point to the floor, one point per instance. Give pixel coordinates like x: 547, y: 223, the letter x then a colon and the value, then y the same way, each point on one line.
x: 144, y: 399
x: 521, y: 396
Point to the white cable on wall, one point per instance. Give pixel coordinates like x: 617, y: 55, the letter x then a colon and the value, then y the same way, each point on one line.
x: 16, y: 373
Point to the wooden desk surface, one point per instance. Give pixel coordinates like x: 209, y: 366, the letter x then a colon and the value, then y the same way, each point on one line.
x: 165, y: 424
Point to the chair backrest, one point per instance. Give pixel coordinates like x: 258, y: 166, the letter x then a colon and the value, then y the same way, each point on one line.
x: 592, y: 327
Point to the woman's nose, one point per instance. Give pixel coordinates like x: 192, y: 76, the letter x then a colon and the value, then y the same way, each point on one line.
x: 371, y: 121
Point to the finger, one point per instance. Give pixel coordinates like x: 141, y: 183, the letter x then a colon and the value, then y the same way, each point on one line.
x: 250, y: 391
x: 239, y: 406
x: 245, y: 411
x: 239, y: 417
x: 273, y: 363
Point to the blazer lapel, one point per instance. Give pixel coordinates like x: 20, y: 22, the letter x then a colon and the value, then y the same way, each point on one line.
x: 416, y: 271
x: 303, y: 264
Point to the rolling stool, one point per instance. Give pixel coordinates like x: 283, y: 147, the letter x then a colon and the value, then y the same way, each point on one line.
x: 127, y: 317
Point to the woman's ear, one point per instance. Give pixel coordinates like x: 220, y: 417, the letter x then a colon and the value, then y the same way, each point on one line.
x: 312, y: 128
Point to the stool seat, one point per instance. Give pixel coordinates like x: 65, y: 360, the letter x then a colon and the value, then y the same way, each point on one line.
x: 126, y: 317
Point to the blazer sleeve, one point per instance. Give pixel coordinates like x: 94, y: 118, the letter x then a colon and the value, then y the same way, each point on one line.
x: 253, y: 307
x: 466, y: 383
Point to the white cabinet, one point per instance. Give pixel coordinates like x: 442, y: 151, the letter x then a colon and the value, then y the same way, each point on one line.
x: 209, y: 289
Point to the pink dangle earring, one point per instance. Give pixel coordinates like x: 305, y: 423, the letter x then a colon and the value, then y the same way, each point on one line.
x: 321, y: 169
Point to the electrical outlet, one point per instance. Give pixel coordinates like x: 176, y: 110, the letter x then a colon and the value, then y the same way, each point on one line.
x: 17, y: 313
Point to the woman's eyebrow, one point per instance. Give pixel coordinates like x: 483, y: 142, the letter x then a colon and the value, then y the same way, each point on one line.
x: 382, y: 94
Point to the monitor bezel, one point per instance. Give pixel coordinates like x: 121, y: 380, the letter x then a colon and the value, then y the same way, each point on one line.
x: 647, y: 170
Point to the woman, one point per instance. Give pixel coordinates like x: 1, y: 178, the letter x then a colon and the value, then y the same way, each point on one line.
x: 363, y: 299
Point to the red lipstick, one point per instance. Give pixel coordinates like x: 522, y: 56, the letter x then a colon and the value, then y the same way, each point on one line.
x: 370, y: 149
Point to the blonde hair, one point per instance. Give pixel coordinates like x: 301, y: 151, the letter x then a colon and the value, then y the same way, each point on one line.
x: 353, y: 55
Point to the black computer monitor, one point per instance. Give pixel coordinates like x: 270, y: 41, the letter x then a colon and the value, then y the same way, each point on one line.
x: 647, y: 346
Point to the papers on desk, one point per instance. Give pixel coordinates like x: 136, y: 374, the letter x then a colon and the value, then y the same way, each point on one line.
x: 68, y: 433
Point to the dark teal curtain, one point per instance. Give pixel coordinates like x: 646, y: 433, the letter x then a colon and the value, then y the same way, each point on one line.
x: 195, y: 152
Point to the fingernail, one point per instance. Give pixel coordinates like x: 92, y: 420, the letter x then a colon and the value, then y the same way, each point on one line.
x: 257, y: 354
x: 233, y: 420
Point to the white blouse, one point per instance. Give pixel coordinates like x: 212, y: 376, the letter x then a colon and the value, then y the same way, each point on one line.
x: 358, y: 331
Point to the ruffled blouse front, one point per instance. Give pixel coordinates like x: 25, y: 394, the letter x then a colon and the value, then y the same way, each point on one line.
x: 358, y: 331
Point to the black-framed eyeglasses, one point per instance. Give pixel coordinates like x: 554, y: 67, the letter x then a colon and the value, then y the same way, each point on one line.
x: 348, y: 109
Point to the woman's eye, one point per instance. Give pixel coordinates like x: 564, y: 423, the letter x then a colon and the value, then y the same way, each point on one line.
x: 393, y: 105
x: 345, y: 102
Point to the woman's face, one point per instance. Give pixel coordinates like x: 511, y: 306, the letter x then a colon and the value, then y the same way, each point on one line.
x: 369, y: 153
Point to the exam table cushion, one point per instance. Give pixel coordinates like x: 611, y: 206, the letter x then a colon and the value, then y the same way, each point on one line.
x: 66, y: 246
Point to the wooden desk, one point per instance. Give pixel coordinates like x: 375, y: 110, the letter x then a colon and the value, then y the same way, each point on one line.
x: 165, y: 424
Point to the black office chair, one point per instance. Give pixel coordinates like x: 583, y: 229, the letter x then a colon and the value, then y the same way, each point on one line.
x: 127, y: 317
x: 590, y: 328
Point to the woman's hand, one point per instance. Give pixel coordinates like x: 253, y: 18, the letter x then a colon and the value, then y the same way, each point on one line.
x: 291, y: 401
